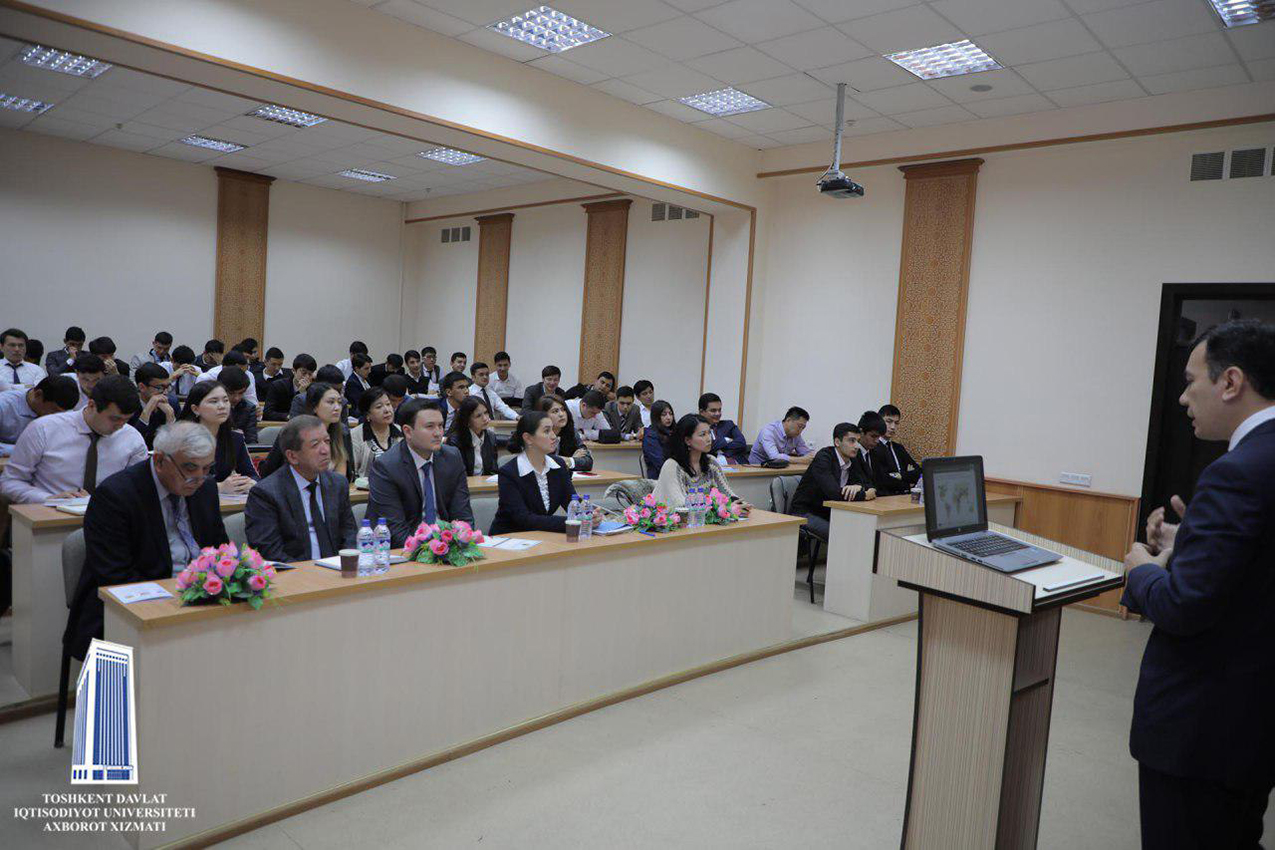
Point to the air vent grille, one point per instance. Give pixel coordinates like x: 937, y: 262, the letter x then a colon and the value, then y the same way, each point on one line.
x: 674, y: 213
x: 668, y: 212
x: 659, y: 212
x: 1248, y: 163
x: 1207, y: 166
x: 692, y: 214
x: 455, y: 234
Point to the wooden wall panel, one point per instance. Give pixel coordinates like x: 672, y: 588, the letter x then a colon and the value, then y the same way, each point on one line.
x: 494, y: 235
x: 605, y: 245
x: 243, y: 217
x: 938, y: 221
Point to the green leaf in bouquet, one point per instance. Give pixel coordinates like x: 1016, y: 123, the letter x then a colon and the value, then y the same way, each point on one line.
x: 255, y: 602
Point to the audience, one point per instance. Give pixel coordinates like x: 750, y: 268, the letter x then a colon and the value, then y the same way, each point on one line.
x: 35, y: 351
x: 234, y: 358
x: 63, y: 360
x: 587, y: 412
x: 324, y: 400
x: 504, y: 383
x: 782, y: 440
x: 414, y: 372
x: 252, y: 350
x: 655, y: 440
x: 89, y: 369
x: 159, y: 353
x: 243, y: 413
x: 15, y: 371
x: 836, y: 474
x: 398, y: 389
x: 378, y: 432
x: 267, y: 370
x: 621, y: 415
x: 20, y: 407
x: 534, y: 485
x: 459, y: 360
x: 644, y: 396
x: 896, y: 457
x: 104, y: 347
x: 888, y: 483
x: 282, y: 393
x: 393, y: 365
x: 183, y: 371
x: 347, y: 365
x: 690, y: 464
x: 571, y: 448
x: 550, y: 377
x: 329, y: 375
x: 604, y: 383
x: 301, y: 511
x: 157, y: 410
x: 468, y: 434
x: 358, y: 381
x: 419, y: 479
x: 209, y: 405
x: 65, y: 455
x: 214, y: 350
x: 433, y: 372
x: 455, y: 391
x: 482, y: 389
x: 146, y: 522
x: 729, y: 444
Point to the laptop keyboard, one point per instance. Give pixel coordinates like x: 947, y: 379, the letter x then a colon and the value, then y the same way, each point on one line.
x: 985, y: 547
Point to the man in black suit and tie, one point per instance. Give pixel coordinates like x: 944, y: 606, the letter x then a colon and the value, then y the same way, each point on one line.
x: 895, y: 455
x: 872, y: 428
x: 419, y: 479
x: 1203, y: 728
x: 728, y: 440
x: 836, y: 474
x: 301, y: 511
x: 147, y: 522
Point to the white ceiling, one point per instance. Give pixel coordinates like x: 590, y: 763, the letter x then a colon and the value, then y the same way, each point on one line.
x: 792, y: 53
x: 140, y: 112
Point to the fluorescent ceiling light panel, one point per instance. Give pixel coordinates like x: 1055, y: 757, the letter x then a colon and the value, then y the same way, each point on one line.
x: 1238, y: 13
x: 726, y: 101
x: 63, y: 62
x: 284, y: 115
x: 212, y: 144
x: 368, y: 176
x: 451, y: 156
x: 548, y: 29
x: 23, y: 104
x: 945, y: 60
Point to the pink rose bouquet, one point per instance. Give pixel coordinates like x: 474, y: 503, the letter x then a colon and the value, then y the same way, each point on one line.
x: 225, y: 575
x: 453, y: 543
x: 652, y: 515
x: 721, y: 510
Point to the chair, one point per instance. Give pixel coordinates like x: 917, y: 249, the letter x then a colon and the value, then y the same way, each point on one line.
x: 360, y: 511
x: 782, y: 488
x: 73, y: 551
x: 237, y: 529
x: 642, y: 464
x: 484, y: 508
x: 266, y: 436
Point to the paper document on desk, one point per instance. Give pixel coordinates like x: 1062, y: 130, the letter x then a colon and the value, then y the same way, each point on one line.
x: 1067, y: 574
x: 492, y: 479
x: 334, y: 562
x: 77, y: 502
x: 234, y: 498
x: 74, y: 510
x: 508, y: 544
x: 578, y: 475
x: 130, y: 593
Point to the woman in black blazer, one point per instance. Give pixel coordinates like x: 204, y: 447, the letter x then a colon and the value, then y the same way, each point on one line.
x: 469, y: 430
x: 209, y: 405
x: 325, y: 401
x: 571, y: 447
x: 523, y: 504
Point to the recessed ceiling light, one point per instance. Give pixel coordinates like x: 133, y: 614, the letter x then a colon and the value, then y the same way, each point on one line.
x: 23, y: 104
x: 212, y: 144
x: 1239, y: 13
x: 945, y: 60
x: 726, y: 101
x: 284, y: 115
x: 451, y: 156
x: 63, y: 62
x: 369, y: 176
x: 548, y: 29
x: 981, y: 87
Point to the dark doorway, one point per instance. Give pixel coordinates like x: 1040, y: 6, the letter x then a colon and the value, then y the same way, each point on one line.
x: 1175, y: 458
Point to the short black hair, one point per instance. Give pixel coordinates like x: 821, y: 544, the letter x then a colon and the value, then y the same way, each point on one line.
x: 13, y: 332
x: 395, y: 360
x: 249, y: 344
x: 233, y: 378
x: 624, y: 392
x: 844, y: 428
x: 890, y: 410
x: 395, y: 385
x: 412, y: 408
x: 550, y: 371
x: 164, y: 338
x: 182, y: 354
x: 214, y: 346
x: 329, y: 374
x: 234, y: 357
x: 500, y: 355
x: 148, y: 372
x: 305, y: 361
x: 358, y: 361
x: 90, y: 364
x: 35, y: 350
x: 451, y: 378
x: 642, y: 386
x: 593, y: 398
x: 795, y: 412
x: 63, y: 391
x: 75, y: 333
x: 273, y: 353
x: 103, y: 346
x: 371, y: 397
x: 460, y: 354
x: 1248, y: 345
x: 119, y: 391
x: 429, y: 349
x: 708, y: 398
x: 871, y: 421
x: 608, y: 376
x: 358, y: 347
x: 411, y: 354
x: 478, y: 364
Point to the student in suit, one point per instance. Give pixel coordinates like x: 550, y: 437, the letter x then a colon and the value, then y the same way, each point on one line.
x: 359, y: 380
x: 157, y: 411
x: 279, y: 400
x: 214, y: 351
x: 104, y: 347
x: 504, y: 383
x: 621, y: 415
x: 604, y: 384
x: 455, y: 391
x: 419, y: 479
x: 243, y: 412
x: 393, y: 365
x: 481, y: 388
x: 324, y: 400
x: 267, y: 370
x: 146, y: 523
x: 15, y: 371
x: 347, y: 365
x: 782, y: 440
x: 62, y: 361
x: 20, y: 407
x: 888, y: 482
x: 728, y: 441
x: 414, y: 372
x: 550, y: 377
x: 571, y: 448
x: 655, y: 440
x: 159, y: 353
x: 301, y: 511
x: 835, y: 475
x: 1203, y: 731
x: 587, y: 413
x: 534, y: 485
x: 469, y: 436
x: 433, y: 372
x: 209, y: 405
x: 893, y: 452
x: 377, y: 433
x: 689, y: 465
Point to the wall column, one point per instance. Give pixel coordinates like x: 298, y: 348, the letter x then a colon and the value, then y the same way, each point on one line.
x: 494, y: 235
x: 243, y: 216
x: 605, y: 243
x: 929, y: 332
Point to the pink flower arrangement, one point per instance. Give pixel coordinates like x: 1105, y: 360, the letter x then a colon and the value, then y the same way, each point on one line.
x: 652, y: 515
x: 722, y: 511
x: 453, y: 543
x: 226, y: 574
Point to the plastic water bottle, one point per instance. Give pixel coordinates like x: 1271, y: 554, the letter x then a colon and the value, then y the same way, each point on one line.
x: 573, y: 520
x: 367, y: 548
x: 381, y: 537
x: 586, y: 518
x: 701, y: 507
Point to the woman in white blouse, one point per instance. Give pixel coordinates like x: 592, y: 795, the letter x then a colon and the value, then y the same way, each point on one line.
x: 535, y: 485
x: 689, y: 464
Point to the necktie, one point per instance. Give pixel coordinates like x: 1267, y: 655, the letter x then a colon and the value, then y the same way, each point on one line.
x: 90, y: 463
x: 183, y: 528
x: 867, y: 461
x: 429, y: 510
x: 320, y: 526
x: 487, y: 401
x: 16, y: 378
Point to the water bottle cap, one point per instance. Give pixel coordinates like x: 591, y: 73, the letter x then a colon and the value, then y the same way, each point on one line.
x: 367, y: 522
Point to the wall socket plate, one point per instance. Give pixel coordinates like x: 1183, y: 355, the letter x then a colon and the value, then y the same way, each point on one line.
x: 1078, y: 478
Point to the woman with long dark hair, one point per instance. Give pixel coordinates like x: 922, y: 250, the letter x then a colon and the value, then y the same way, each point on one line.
x: 535, y: 484
x: 690, y: 464
x: 325, y: 401
x: 469, y: 434
x: 209, y: 405
x: 571, y: 447
x: 655, y: 440
x: 377, y: 433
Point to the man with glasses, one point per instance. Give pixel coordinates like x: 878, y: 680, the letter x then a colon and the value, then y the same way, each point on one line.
x: 147, y: 522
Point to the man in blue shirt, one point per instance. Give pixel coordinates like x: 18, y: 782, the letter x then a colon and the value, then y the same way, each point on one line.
x: 20, y: 407
x: 782, y: 440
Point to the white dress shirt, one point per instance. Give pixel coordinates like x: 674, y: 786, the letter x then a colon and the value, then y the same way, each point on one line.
x: 420, y: 465
x: 178, y: 549
x: 50, y: 454
x: 250, y: 394
x: 510, y: 387
x: 645, y: 413
x: 542, y: 478
x: 23, y: 375
x: 183, y: 384
x: 590, y: 427
x: 347, y: 368
x: 15, y: 416
x: 1264, y: 415
x: 477, y: 440
x: 495, y: 404
x: 845, y: 467
x: 315, y: 552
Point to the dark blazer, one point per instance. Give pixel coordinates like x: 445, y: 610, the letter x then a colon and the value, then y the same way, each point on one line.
x: 279, y: 400
x: 488, y: 452
x: 567, y: 447
x: 577, y: 391
x: 354, y: 391
x: 729, y: 439
x: 909, y: 470
x: 125, y: 541
x: 532, y: 395
x: 629, y: 423
x: 1203, y: 708
x: 379, y: 372
x: 520, y: 507
x: 275, y: 458
x: 204, y: 364
x: 243, y: 418
x: 232, y: 456
x: 395, y: 489
x: 263, y: 383
x: 878, y: 467
x: 275, y: 516
x: 653, y: 452
x: 59, y: 363
x: 821, y: 482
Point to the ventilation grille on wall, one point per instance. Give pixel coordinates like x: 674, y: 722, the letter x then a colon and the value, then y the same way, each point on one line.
x: 1207, y: 166
x: 455, y: 234
x: 1248, y: 163
x: 1231, y: 165
x: 668, y: 212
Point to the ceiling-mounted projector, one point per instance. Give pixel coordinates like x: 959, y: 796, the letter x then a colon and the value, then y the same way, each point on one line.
x: 834, y: 183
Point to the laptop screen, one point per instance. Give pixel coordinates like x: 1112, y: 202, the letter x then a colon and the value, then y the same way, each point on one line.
x: 954, y: 501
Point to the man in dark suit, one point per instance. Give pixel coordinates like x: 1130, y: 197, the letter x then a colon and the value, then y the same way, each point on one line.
x: 62, y: 361
x: 728, y: 440
x: 836, y: 474
x: 358, y: 382
x: 279, y: 399
x: 269, y: 368
x: 604, y: 383
x: 419, y: 479
x: 872, y: 428
x: 895, y: 455
x: 393, y: 365
x: 550, y: 378
x: 147, y: 522
x: 1203, y: 728
x: 622, y: 414
x: 301, y: 511
x: 104, y: 347
x: 157, y: 408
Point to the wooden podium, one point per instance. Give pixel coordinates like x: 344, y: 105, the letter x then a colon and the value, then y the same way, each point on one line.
x: 987, y: 645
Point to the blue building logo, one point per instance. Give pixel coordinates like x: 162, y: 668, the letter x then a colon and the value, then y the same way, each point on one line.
x: 105, y: 750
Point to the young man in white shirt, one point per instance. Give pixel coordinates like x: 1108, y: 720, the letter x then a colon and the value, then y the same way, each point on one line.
x: 587, y: 413
x: 481, y: 387
x: 159, y: 352
x: 644, y: 396
x: 15, y: 371
x: 347, y: 365
x: 20, y: 407
x: 504, y: 383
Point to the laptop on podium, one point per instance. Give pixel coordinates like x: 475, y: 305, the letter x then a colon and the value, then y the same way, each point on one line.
x: 956, y: 518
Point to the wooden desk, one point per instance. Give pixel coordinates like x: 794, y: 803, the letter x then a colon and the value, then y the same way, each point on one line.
x: 39, y: 593
x: 352, y: 678
x: 270, y: 423
x: 850, y: 587
x: 502, y: 424
x: 624, y: 457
